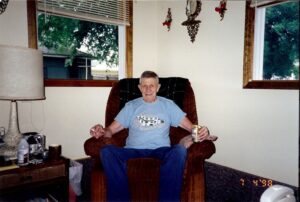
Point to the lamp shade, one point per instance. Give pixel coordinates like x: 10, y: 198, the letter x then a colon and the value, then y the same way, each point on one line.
x: 21, y: 73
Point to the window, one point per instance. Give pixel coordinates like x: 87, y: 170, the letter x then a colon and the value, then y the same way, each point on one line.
x: 271, y: 50
x: 78, y: 49
x: 70, y: 44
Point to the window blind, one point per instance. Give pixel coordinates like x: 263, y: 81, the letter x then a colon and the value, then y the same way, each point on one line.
x: 266, y: 3
x: 114, y: 12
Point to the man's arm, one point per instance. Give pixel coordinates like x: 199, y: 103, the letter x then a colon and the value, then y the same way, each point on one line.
x: 99, y: 131
x: 187, y: 141
x: 186, y: 124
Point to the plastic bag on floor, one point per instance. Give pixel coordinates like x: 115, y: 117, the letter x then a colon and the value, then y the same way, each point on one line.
x: 75, y: 175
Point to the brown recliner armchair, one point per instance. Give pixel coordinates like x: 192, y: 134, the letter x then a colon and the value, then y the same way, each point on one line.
x: 143, y: 173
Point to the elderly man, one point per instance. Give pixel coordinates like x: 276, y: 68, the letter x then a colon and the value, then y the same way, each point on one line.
x: 148, y: 119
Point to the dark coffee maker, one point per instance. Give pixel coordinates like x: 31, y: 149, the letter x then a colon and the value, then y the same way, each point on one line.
x: 37, y: 144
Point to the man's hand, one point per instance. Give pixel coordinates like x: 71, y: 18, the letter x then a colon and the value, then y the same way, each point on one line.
x: 203, y: 133
x: 98, y: 131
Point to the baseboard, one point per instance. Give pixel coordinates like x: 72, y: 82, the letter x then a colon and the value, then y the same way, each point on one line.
x: 227, y: 184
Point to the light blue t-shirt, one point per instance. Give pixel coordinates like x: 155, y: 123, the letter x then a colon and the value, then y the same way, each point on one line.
x: 149, y: 123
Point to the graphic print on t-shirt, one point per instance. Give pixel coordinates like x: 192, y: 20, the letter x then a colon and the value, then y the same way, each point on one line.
x: 145, y: 122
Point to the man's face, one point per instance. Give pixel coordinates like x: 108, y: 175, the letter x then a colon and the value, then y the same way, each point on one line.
x: 149, y: 87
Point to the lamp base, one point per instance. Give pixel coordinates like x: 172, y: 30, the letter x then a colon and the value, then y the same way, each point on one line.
x: 13, y: 136
x: 8, y: 152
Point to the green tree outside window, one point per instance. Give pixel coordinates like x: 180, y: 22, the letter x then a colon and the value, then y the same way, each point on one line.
x: 67, y: 36
x: 281, y: 46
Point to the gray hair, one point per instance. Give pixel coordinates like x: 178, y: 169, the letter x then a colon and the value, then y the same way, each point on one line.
x: 149, y: 74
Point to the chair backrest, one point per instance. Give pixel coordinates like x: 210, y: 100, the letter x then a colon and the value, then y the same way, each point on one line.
x: 175, y: 88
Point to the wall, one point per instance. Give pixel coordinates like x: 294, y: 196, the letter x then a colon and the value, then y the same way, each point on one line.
x: 257, y: 129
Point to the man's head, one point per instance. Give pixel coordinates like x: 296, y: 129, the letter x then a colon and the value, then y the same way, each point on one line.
x: 149, y: 85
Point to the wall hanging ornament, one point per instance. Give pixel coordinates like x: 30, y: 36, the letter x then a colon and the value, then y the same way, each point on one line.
x: 192, y: 10
x: 222, y: 8
x: 3, y: 5
x: 168, y: 20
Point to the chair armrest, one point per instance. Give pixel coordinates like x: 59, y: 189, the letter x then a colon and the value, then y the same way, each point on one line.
x: 92, y: 146
x: 203, y: 150
x: 196, y: 155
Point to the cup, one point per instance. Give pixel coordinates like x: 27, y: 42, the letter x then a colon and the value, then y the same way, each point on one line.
x: 195, y: 133
x: 54, y: 152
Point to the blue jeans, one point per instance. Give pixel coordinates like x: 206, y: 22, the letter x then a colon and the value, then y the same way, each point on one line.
x: 172, y: 159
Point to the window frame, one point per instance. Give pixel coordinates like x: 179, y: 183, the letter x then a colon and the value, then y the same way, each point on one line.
x: 248, y: 81
x: 32, y: 43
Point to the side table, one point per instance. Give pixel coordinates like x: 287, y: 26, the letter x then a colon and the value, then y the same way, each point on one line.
x: 46, y: 180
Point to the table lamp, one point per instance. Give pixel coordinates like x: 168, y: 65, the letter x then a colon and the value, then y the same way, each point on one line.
x: 21, y: 78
